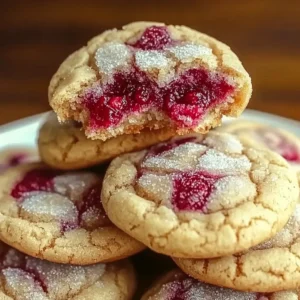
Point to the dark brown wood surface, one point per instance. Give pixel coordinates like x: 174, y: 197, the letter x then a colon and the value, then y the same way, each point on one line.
x: 37, y: 35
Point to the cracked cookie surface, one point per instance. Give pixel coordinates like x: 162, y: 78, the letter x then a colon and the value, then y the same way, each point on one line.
x: 26, y: 278
x: 200, y: 196
x: 58, y: 216
x: 176, y: 285
x: 65, y: 146
x: 149, y: 75
x: 259, y: 135
x: 273, y: 265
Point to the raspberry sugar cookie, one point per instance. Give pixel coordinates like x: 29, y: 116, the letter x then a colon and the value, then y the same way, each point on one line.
x: 273, y: 265
x: 200, y: 196
x: 11, y: 157
x: 65, y: 146
x: 28, y: 278
x: 149, y: 75
x: 59, y: 217
x: 177, y: 285
x: 284, y: 143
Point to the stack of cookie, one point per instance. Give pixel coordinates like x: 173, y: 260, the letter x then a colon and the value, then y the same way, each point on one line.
x: 128, y: 164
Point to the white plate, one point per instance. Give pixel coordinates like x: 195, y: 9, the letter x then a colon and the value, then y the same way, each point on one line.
x: 23, y: 133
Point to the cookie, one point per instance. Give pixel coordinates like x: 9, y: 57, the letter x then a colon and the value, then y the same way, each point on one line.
x: 59, y: 217
x: 200, y: 196
x: 65, y: 146
x: 273, y: 265
x: 259, y: 135
x: 149, y: 75
x: 27, y: 278
x: 10, y: 157
x: 177, y: 285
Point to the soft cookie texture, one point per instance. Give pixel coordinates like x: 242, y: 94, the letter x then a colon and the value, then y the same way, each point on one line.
x: 27, y: 278
x: 149, y: 75
x: 200, y: 196
x: 65, y: 146
x: 58, y: 216
x: 259, y: 135
x: 273, y: 265
x: 176, y: 285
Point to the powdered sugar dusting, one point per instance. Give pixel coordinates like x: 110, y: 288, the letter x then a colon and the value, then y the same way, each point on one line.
x: 180, y: 158
x: 47, y: 207
x: 112, y: 56
x: 66, y: 279
x: 155, y: 186
x: 225, y: 142
x: 286, y: 236
x: 11, y: 259
x: 93, y: 218
x: 231, y: 191
x: 190, y: 289
x: 30, y: 278
x: 188, y: 52
x: 216, y: 161
x: 22, y: 285
x: 151, y: 59
x: 73, y: 185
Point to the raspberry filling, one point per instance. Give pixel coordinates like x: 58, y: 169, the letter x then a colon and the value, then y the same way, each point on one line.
x: 128, y: 93
x: 35, y: 180
x: 90, y: 210
x: 154, y: 38
x: 280, y: 144
x: 191, y: 190
x: 189, y: 97
x: 185, y: 99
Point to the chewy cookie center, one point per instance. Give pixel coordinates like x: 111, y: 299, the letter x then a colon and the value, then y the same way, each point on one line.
x: 72, y: 199
x: 194, y: 175
x: 157, y: 75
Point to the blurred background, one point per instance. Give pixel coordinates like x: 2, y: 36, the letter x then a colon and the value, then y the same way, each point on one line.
x: 37, y: 35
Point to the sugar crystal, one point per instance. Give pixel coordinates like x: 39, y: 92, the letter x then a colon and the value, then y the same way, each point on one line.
x: 189, y: 52
x: 23, y: 286
x: 45, y: 206
x: 191, y: 289
x: 111, y: 56
x: 216, y: 161
x: 151, y: 59
x: 73, y: 185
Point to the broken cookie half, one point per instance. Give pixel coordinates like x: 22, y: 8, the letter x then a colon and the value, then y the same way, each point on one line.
x: 149, y: 75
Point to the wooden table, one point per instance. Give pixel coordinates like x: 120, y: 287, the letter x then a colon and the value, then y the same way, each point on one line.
x: 37, y: 35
